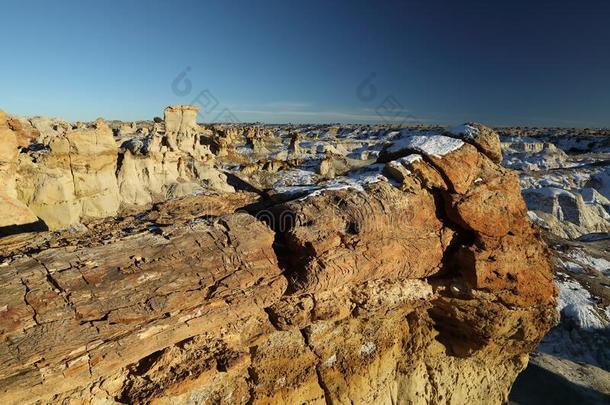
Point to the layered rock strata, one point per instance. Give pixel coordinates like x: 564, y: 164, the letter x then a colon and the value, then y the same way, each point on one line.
x: 428, y: 287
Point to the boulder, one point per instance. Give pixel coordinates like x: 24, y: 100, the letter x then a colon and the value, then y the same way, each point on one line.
x: 338, y: 235
x: 484, y: 138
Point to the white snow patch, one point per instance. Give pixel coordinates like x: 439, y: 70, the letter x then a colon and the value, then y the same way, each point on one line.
x: 575, y: 303
x: 410, y: 159
x: 433, y: 145
x: 244, y: 150
x: 398, y: 164
x: 570, y: 266
x: 598, y: 263
x: 537, y: 220
x: 551, y: 192
x: 341, y: 183
x: 465, y: 130
x: 295, y: 177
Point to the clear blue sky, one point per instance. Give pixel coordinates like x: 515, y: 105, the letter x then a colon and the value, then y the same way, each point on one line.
x: 515, y: 62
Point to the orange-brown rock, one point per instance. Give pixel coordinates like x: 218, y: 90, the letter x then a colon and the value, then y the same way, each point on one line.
x: 431, y: 290
x: 347, y: 236
x: 85, y: 313
x: 484, y: 138
x: 25, y: 132
x: 492, y: 206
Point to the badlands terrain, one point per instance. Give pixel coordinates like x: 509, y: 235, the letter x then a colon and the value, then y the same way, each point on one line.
x: 168, y: 261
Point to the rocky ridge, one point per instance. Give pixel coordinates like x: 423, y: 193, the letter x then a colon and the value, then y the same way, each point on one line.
x: 242, y: 264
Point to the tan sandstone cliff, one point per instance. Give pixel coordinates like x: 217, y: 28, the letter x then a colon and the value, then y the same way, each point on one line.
x: 431, y: 287
x: 72, y: 173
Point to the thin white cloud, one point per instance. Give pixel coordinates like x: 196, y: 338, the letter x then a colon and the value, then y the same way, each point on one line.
x: 286, y: 105
x: 315, y: 116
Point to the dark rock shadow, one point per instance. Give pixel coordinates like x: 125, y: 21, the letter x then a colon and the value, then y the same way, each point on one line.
x: 538, y: 386
x: 38, y: 226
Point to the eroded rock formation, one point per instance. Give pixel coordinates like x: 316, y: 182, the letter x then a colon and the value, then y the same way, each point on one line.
x: 429, y: 285
x: 13, y: 213
x: 67, y: 173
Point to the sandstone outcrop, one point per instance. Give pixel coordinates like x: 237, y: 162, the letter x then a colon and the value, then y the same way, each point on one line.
x: 9, y: 151
x: 72, y: 178
x: 70, y: 173
x: 429, y: 285
x: 13, y: 213
x: 566, y: 213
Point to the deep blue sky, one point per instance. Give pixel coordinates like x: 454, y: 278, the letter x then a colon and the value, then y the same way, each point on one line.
x: 515, y: 62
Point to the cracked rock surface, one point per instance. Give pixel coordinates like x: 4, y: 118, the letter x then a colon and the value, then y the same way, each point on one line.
x: 234, y: 270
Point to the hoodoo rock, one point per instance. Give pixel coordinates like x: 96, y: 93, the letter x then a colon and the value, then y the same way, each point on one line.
x: 429, y: 285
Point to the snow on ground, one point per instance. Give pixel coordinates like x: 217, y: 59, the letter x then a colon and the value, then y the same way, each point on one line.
x: 601, y: 181
x: 570, y: 266
x: 569, y: 192
x: 583, y: 334
x: 296, y: 177
x: 304, y: 182
x: 583, y: 259
x: 576, y: 304
x: 355, y: 180
x: 347, y: 182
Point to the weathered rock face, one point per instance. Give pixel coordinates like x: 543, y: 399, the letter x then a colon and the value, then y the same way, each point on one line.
x: 485, y: 139
x: 169, y: 162
x: 68, y: 174
x: 347, y: 237
x: 567, y: 213
x: 430, y: 287
x: 72, y: 179
x: 8, y: 157
x: 13, y: 213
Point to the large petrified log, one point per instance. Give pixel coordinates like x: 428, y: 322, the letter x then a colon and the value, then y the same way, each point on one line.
x: 431, y: 291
